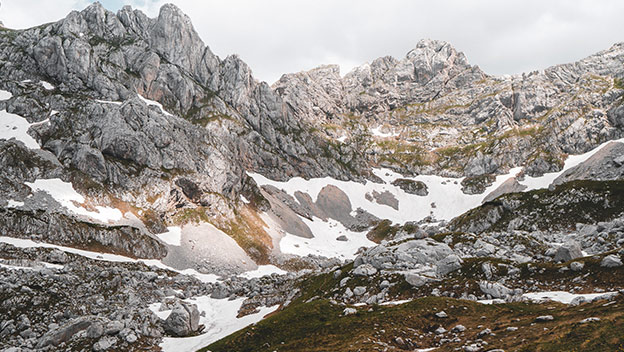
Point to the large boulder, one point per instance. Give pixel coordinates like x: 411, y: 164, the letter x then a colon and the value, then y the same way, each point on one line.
x: 448, y: 264
x: 569, y: 251
x: 183, y: 320
x: 495, y: 290
x: 611, y: 261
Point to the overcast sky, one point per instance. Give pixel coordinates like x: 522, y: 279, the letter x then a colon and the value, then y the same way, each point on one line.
x: 281, y: 36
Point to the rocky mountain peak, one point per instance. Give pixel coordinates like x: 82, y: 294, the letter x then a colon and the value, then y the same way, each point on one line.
x: 432, y: 57
x: 174, y: 37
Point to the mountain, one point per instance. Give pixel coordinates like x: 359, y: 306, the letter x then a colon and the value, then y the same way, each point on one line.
x: 154, y: 195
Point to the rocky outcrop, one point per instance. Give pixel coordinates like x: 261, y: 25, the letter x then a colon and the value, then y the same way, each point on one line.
x: 606, y: 164
x: 568, y: 251
x: 66, y: 230
x: 509, y: 186
x: 449, y: 117
x: 411, y: 186
x: 183, y: 320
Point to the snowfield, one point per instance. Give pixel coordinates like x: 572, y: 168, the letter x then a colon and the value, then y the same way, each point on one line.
x: 5, y: 95
x: 15, y: 126
x: 263, y: 270
x: 444, y: 201
x: 66, y: 195
x: 570, y: 162
x: 324, y: 242
x: 219, y: 320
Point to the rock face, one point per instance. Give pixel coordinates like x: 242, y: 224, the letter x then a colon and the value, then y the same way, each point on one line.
x: 606, y: 164
x: 433, y: 97
x: 66, y: 230
x: 510, y: 186
x: 183, y: 320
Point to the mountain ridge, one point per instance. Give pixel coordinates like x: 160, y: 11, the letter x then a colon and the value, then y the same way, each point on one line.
x: 145, y: 180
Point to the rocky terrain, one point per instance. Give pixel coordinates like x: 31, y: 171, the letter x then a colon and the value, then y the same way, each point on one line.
x: 154, y: 196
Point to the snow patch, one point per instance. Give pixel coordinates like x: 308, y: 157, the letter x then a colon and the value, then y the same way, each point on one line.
x: 219, y: 320
x: 15, y: 204
x: 15, y: 267
x: 173, y: 236
x: 4, y: 95
x: 66, y: 195
x: 324, y: 242
x: 563, y: 296
x: 15, y: 126
x: 377, y: 132
x: 47, y: 85
x: 108, y: 102
x: 396, y: 303
x: 263, y: 270
x: 154, y: 103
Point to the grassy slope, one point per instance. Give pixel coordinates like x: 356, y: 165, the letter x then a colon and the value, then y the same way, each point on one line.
x: 313, y: 323
x: 319, y: 326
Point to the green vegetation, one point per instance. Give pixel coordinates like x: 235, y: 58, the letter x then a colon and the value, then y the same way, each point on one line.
x: 382, y: 231
x: 406, y: 155
x: 321, y: 326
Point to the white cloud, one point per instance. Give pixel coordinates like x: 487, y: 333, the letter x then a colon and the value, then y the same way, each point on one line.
x: 19, y: 14
x: 280, y: 36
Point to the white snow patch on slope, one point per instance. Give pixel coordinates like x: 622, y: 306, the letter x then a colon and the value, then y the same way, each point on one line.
x: 24, y: 243
x: 220, y: 321
x: 4, y: 95
x: 66, y: 195
x: 444, y: 192
x: 563, y: 296
x: 395, y: 303
x: 324, y: 242
x: 108, y: 102
x: 377, y: 132
x: 155, y: 103
x: 173, y: 236
x: 15, y: 267
x: 572, y: 161
x: 15, y: 126
x: 47, y: 85
x: 15, y: 204
x: 263, y: 270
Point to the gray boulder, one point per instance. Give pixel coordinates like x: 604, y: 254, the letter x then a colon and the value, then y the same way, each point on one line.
x: 183, y: 320
x: 364, y: 270
x: 611, y: 261
x: 448, y: 264
x: 576, y: 266
x: 495, y: 289
x: 569, y: 251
